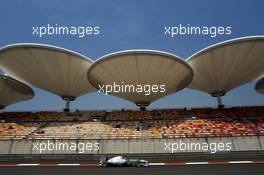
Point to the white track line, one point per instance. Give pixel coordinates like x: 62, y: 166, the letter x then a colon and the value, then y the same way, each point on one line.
x: 156, y: 164
x: 27, y: 164
x: 196, y: 163
x: 65, y: 164
x: 233, y: 162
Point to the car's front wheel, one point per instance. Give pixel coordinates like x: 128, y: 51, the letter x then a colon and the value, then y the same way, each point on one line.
x: 104, y: 165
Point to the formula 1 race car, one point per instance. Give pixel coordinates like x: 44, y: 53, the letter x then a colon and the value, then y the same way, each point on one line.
x: 121, y: 161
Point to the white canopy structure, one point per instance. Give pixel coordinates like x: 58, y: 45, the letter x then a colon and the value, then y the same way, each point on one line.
x: 141, y: 67
x: 12, y: 91
x: 54, y: 69
x: 227, y: 65
x: 260, y: 86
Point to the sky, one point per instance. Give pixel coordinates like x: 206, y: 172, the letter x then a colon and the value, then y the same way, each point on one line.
x: 137, y: 24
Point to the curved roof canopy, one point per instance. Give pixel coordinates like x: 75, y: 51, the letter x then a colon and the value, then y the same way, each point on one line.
x: 12, y: 91
x: 227, y: 65
x: 260, y: 86
x: 54, y: 69
x: 139, y: 68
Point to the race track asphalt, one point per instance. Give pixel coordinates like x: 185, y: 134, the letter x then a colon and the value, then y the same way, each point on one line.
x: 228, y: 169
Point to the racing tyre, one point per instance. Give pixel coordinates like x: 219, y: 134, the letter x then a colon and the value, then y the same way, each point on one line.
x: 139, y: 164
x: 104, y: 165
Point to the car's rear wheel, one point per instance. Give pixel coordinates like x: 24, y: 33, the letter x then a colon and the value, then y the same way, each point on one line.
x: 139, y: 164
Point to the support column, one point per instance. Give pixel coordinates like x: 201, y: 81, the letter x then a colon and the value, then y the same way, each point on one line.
x: 67, y: 106
x: 219, y: 95
x: 142, y: 105
x: 68, y: 100
x: 219, y: 101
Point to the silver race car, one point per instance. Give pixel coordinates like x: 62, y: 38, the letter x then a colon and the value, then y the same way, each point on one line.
x: 121, y: 161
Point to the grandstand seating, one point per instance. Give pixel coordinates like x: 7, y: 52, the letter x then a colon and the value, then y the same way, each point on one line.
x: 49, y: 116
x: 128, y: 124
x: 228, y: 112
x: 16, y: 131
x: 147, y: 115
x: 89, y: 130
x: 201, y: 128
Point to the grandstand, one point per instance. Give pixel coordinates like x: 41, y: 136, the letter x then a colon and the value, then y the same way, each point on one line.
x: 129, y: 124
